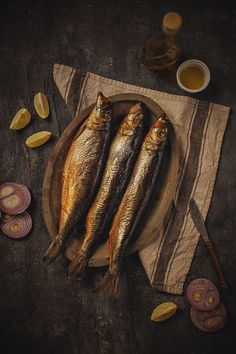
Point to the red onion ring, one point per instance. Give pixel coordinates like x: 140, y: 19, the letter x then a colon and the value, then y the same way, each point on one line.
x: 6, y: 193
x: 6, y: 217
x: 203, y: 295
x: 209, y: 321
x: 17, y: 200
x: 17, y: 227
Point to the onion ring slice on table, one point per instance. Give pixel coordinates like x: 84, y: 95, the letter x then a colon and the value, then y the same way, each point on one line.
x: 203, y: 295
x: 209, y: 321
x: 14, y: 198
x: 18, y: 227
x: 6, y: 218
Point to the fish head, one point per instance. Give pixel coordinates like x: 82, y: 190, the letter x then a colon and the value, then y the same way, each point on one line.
x: 159, y: 130
x: 132, y: 120
x: 157, y: 135
x: 101, y: 115
x: 135, y: 116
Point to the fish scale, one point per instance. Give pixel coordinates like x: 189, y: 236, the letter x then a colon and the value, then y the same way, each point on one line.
x: 76, y: 175
x: 135, y: 200
x: 82, y: 171
x: 118, y: 168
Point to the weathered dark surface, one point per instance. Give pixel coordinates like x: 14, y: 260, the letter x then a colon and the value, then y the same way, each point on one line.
x: 40, y: 311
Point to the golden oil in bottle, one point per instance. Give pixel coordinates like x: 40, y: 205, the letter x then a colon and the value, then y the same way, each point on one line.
x: 162, y: 50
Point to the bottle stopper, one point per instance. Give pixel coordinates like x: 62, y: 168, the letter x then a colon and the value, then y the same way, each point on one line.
x: 172, y: 22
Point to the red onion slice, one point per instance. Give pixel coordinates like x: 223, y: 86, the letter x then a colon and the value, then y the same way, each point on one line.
x: 6, y: 189
x: 209, y: 321
x: 17, y: 227
x: 14, y: 198
x: 6, y: 217
x: 203, y: 295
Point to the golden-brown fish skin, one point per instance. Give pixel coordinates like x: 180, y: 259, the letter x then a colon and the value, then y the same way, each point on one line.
x: 134, y: 200
x: 82, y: 171
x: 121, y: 158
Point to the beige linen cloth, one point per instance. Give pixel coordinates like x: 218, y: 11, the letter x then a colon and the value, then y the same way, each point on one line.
x: 199, y: 127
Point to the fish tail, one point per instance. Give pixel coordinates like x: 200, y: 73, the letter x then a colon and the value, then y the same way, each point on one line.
x: 53, y: 250
x: 78, y: 265
x: 109, y: 283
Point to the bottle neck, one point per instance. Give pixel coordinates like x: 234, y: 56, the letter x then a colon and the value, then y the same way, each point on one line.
x: 170, y: 39
x: 173, y: 50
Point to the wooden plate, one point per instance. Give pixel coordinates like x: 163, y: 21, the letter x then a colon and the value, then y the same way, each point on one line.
x: 162, y: 200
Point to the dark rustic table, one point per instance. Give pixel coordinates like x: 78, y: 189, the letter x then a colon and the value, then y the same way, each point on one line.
x: 41, y: 311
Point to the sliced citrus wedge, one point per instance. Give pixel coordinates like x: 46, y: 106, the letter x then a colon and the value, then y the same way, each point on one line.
x: 41, y: 105
x: 21, y: 119
x: 163, y: 311
x: 38, y: 139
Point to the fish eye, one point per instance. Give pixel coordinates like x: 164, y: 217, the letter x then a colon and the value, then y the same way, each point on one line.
x: 161, y: 133
x: 136, y: 119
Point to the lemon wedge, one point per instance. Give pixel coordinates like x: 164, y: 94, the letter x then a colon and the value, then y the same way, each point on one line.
x: 21, y: 119
x: 163, y: 311
x: 38, y: 139
x: 41, y: 105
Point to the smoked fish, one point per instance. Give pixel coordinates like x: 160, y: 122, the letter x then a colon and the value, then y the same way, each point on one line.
x: 122, y: 154
x: 82, y: 171
x: 135, y: 200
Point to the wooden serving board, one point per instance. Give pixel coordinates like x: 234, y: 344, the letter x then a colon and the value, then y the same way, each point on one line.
x: 162, y: 200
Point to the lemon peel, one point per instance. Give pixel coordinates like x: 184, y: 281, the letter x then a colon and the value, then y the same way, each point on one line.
x: 41, y: 105
x: 163, y: 311
x: 38, y: 139
x: 21, y: 119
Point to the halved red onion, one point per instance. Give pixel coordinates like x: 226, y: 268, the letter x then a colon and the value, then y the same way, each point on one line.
x: 17, y: 227
x: 203, y: 295
x: 14, y: 198
x: 209, y: 321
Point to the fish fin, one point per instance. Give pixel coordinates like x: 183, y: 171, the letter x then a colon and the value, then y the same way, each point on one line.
x: 108, y: 246
x: 109, y: 283
x: 52, y: 252
x: 78, y: 265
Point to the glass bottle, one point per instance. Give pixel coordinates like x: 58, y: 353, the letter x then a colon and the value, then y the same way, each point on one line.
x: 162, y: 50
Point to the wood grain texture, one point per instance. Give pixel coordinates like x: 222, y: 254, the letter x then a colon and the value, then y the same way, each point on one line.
x: 163, y: 194
x: 41, y: 312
